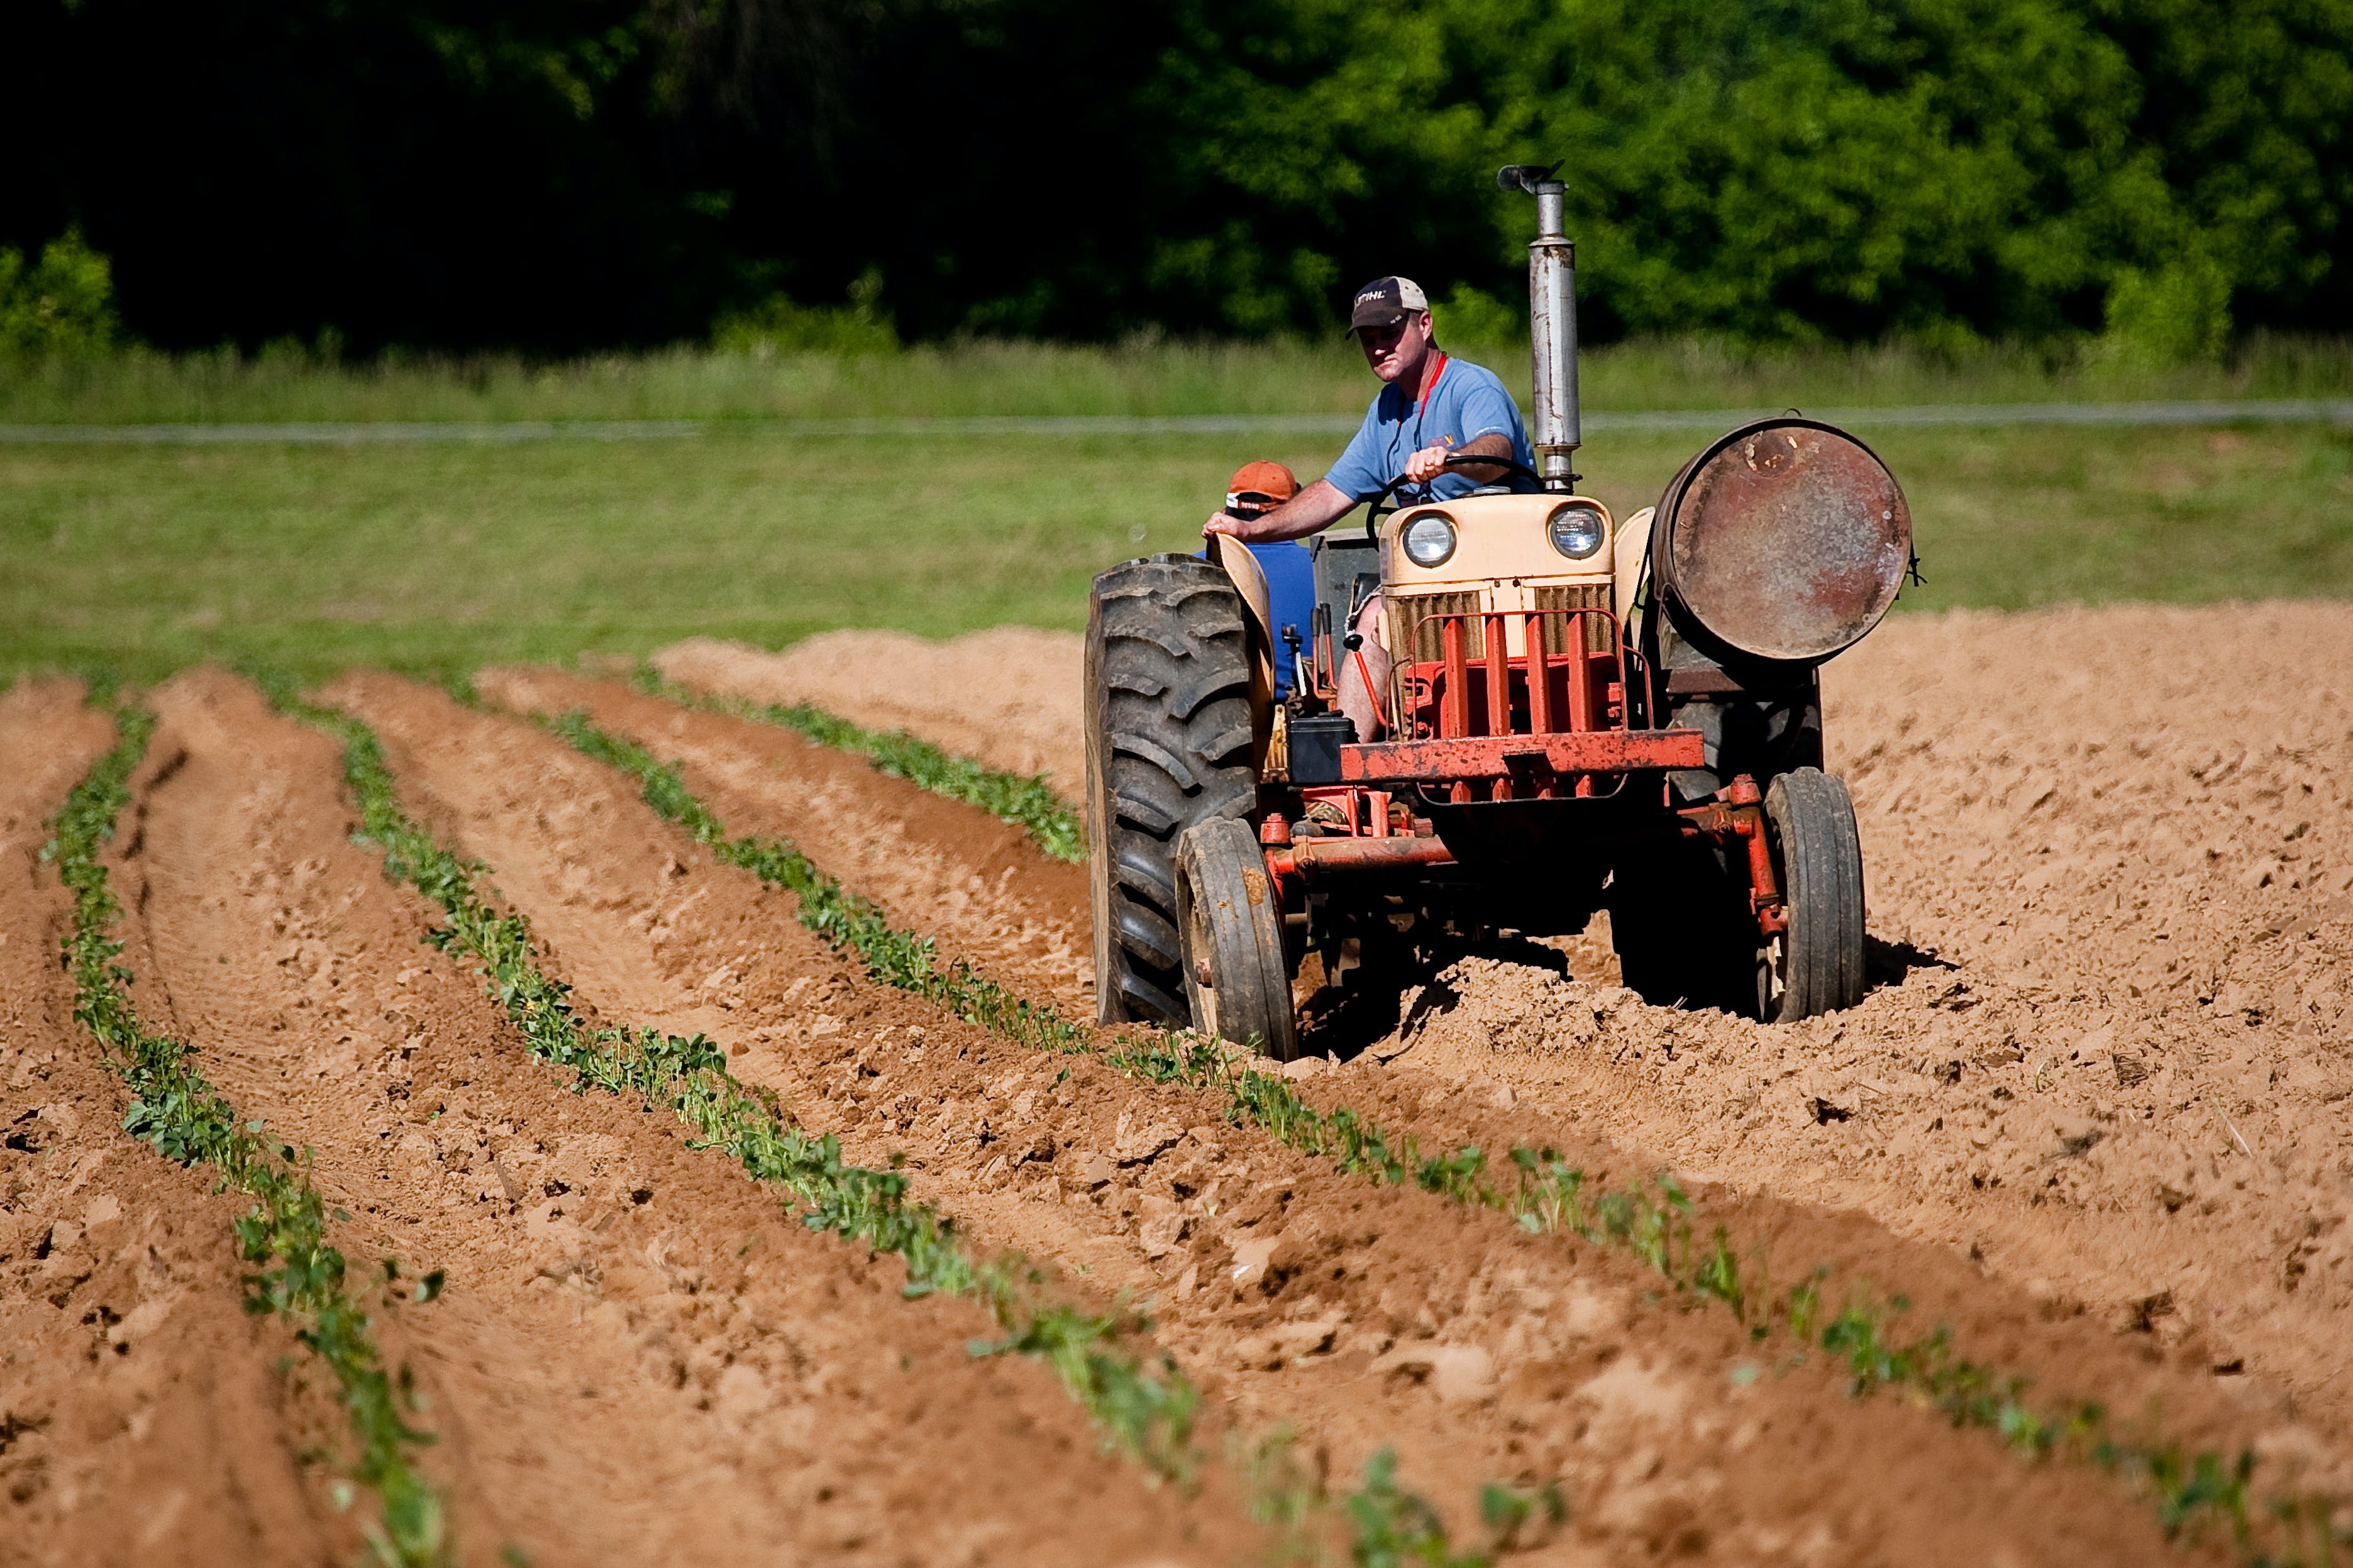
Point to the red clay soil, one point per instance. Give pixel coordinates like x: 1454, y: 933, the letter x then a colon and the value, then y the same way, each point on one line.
x: 140, y: 1416
x: 1008, y: 697
x: 1364, y: 1317
x: 973, y: 882
x: 1991, y: 1318
x: 2107, y: 1057
x: 640, y: 1356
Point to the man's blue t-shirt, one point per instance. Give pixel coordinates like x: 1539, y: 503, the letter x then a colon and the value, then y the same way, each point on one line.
x: 1465, y: 403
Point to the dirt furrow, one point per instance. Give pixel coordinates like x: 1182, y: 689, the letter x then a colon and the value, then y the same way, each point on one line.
x: 2116, y: 1065
x: 2109, y: 1058
x: 976, y: 883
x: 1367, y: 1315
x: 638, y: 1356
x: 1464, y: 1100
x: 1000, y: 696
x: 142, y: 1419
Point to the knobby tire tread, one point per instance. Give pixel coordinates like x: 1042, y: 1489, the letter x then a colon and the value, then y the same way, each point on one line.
x: 1168, y: 745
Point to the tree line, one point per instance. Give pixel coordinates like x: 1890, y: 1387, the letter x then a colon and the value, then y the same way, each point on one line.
x: 558, y: 176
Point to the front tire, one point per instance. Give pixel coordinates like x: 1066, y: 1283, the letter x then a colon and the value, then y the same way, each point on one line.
x: 1237, y: 976
x: 1817, y: 966
x: 1168, y: 747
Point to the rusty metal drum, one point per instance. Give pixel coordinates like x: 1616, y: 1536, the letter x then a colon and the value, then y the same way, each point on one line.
x: 1785, y: 541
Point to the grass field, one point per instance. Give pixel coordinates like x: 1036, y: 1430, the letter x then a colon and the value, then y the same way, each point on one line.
x: 287, y: 384
x: 435, y: 558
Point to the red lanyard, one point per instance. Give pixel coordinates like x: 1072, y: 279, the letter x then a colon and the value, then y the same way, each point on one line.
x: 1421, y: 406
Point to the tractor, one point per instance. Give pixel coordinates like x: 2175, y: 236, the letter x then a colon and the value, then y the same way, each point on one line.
x: 1582, y: 713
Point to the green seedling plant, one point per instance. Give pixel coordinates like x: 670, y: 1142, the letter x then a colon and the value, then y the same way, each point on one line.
x: 300, y: 1278
x: 1028, y: 802
x: 1146, y: 1410
x: 2191, y: 1490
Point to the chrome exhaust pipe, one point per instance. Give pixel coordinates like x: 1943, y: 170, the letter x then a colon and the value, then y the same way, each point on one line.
x: 1552, y: 325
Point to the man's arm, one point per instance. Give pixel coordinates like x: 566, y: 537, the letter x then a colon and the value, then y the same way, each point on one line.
x: 1430, y: 462
x: 1313, y: 510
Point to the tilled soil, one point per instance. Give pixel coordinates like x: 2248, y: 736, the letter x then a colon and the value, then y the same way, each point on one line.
x: 2105, y: 1059
x: 978, y: 884
x: 2089, y: 1118
x: 639, y: 1356
x: 141, y: 1418
x: 2109, y: 1053
x: 1363, y: 1317
x: 1008, y: 697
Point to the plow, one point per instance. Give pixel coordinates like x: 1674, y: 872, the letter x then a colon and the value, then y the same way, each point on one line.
x: 1581, y: 713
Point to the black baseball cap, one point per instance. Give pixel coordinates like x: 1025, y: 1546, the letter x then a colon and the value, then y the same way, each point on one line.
x: 1383, y: 302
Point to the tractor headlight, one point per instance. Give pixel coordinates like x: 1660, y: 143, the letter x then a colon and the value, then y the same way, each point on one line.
x: 1577, y: 531
x: 1429, y: 538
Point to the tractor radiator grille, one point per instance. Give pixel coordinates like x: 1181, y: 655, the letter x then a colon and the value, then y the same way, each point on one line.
x: 1414, y: 624
x: 1598, y: 635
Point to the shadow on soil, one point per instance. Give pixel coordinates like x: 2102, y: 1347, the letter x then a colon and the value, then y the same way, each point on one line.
x: 1356, y: 1015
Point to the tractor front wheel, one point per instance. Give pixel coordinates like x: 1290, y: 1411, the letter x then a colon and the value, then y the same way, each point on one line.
x: 1237, y: 976
x: 1816, y: 966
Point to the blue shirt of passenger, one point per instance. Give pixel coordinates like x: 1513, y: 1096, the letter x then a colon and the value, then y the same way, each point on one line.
x: 1465, y: 402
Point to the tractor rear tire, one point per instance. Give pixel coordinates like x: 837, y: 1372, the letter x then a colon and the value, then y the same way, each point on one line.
x: 1236, y: 977
x: 1817, y: 966
x: 1168, y: 747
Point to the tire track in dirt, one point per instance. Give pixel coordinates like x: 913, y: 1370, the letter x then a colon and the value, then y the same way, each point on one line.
x: 1995, y: 1320
x: 2110, y: 1058
x: 141, y: 1418
x: 1365, y: 1314
x: 640, y: 1357
x: 977, y: 883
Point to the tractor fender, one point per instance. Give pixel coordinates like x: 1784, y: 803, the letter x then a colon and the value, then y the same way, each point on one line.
x: 1631, y: 563
x: 1241, y: 568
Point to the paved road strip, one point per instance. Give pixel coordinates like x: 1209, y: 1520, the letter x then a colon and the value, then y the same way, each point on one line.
x: 2219, y: 411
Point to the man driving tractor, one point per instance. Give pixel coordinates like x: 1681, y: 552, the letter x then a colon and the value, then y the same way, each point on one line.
x: 1431, y: 407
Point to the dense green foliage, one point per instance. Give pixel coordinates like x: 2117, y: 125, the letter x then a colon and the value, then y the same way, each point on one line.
x: 60, y: 306
x: 481, y: 172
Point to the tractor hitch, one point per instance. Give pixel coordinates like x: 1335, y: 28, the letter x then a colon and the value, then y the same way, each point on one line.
x: 1739, y: 813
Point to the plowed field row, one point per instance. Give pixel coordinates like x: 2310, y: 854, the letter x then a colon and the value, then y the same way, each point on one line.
x: 2106, y: 1056
x: 640, y: 1356
x: 755, y: 776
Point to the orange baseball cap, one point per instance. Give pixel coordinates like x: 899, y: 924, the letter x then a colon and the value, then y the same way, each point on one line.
x: 1272, y: 481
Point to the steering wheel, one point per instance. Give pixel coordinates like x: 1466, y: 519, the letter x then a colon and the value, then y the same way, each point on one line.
x: 1374, y: 513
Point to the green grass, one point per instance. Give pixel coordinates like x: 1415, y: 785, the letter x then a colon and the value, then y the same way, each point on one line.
x: 436, y: 559
x: 1142, y: 377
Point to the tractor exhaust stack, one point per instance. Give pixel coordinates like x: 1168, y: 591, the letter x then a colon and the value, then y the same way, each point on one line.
x: 1552, y: 323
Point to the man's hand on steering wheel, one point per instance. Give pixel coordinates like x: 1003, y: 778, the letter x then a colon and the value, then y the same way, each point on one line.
x: 1429, y: 463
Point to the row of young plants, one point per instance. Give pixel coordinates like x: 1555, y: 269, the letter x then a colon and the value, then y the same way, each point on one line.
x: 1146, y: 1409
x: 1028, y: 802
x: 2191, y: 1490
x: 301, y: 1277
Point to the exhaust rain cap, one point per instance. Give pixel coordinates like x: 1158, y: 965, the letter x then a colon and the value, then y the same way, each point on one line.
x: 1784, y: 540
